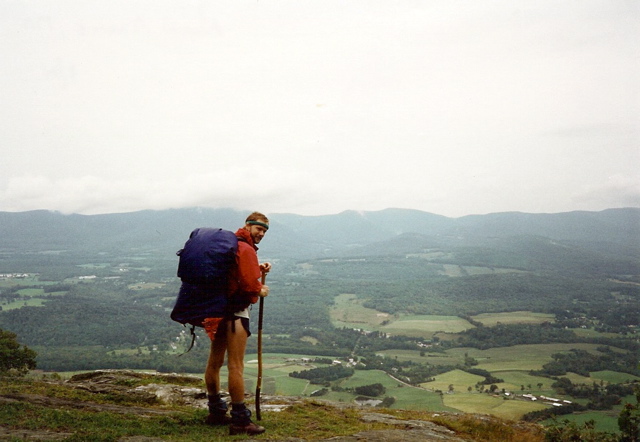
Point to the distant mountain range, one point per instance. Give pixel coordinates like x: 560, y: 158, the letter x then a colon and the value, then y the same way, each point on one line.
x: 613, y: 232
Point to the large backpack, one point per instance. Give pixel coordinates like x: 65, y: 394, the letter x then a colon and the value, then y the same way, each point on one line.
x: 205, y: 267
x: 208, y: 256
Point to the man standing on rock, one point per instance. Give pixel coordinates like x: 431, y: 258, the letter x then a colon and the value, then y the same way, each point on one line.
x: 230, y: 336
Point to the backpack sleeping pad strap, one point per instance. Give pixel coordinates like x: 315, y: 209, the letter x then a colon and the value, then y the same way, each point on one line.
x: 193, y: 339
x: 220, y: 321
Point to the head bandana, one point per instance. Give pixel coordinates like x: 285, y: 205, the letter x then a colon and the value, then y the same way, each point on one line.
x: 259, y: 223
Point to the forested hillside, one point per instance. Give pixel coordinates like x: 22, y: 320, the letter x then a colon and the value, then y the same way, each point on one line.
x: 478, y: 305
x: 614, y: 231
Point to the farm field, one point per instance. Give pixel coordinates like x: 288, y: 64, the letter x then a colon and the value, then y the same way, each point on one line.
x: 521, y: 317
x: 348, y: 311
x: 455, y: 270
x: 413, y: 398
x: 31, y: 302
x: 604, y: 421
x: 515, y: 380
x: 425, y: 326
x: 276, y: 380
x: 407, y: 397
x: 518, y: 357
x: 458, y: 379
x: 495, y: 360
x: 487, y: 404
x: 591, y: 333
x: 32, y: 295
x: 614, y: 377
x: 433, y: 358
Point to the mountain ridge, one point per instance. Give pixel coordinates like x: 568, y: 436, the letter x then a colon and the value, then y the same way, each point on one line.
x: 615, y: 231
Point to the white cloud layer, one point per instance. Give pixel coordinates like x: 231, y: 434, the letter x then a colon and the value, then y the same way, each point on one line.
x: 317, y: 107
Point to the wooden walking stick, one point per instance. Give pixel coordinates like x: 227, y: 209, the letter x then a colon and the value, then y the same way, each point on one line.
x: 259, y: 381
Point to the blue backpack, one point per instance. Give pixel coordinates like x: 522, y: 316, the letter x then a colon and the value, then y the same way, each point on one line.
x: 205, y: 267
x: 208, y: 256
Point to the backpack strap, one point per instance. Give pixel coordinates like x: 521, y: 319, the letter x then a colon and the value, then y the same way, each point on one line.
x: 193, y: 339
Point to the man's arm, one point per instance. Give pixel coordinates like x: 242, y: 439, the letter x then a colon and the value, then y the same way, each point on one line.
x: 250, y: 272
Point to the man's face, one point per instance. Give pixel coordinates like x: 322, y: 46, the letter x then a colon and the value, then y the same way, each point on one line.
x: 256, y: 232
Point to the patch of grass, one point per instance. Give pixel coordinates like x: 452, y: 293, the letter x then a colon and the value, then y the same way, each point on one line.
x: 591, y: 333
x: 577, y: 379
x: 514, y: 380
x: 105, y: 426
x: 520, y: 317
x: 412, y: 398
x: 432, y: 358
x: 316, y: 420
x: 60, y: 391
x: 308, y: 419
x: 348, y: 311
x: 480, y: 428
x: 614, y: 377
x: 19, y: 303
x: 31, y: 292
x: 426, y: 325
x: 145, y: 286
x: 603, y: 421
x: 482, y: 403
x: 368, y: 377
x: 518, y: 357
x: 460, y: 380
x: 406, y: 396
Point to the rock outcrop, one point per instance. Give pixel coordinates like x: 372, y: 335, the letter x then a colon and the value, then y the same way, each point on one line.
x: 171, y: 389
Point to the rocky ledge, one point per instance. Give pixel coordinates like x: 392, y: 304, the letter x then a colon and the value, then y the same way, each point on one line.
x: 170, y: 389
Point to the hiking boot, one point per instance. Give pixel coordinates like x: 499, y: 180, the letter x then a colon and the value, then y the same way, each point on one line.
x: 251, y: 429
x: 217, y: 419
x: 241, y: 421
x: 217, y: 411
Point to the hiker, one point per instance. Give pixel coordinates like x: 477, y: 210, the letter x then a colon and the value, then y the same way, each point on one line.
x: 231, y: 335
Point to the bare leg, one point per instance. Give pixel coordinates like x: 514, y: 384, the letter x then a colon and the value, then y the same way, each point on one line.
x: 236, y: 345
x: 214, y: 363
x: 240, y: 414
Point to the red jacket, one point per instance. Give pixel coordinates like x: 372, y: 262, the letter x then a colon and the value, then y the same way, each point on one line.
x: 249, y: 274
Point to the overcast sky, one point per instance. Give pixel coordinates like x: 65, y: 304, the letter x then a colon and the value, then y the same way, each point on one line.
x: 315, y: 107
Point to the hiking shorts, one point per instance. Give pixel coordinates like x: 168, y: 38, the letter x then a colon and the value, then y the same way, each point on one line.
x: 216, y: 327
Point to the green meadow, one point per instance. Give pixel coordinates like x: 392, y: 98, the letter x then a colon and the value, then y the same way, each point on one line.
x: 458, y: 379
x: 613, y: 377
x: 496, y: 360
x: 276, y: 381
x: 30, y: 296
x: 604, y: 421
x: 521, y: 317
x: 28, y: 302
x: 424, y: 356
x: 511, y: 364
x: 407, y: 397
x: 455, y: 270
x: 425, y: 326
x: 518, y: 357
x: 348, y: 311
x: 515, y: 380
x: 482, y: 403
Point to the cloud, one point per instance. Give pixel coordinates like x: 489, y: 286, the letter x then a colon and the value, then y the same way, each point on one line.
x: 239, y: 187
x: 318, y: 107
x: 617, y: 191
